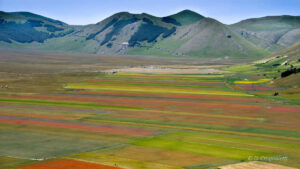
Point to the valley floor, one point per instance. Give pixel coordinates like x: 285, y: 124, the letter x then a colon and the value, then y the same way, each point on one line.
x: 123, y: 119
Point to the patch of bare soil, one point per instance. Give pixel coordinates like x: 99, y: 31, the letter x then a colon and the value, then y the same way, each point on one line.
x: 170, y: 69
x: 254, y: 165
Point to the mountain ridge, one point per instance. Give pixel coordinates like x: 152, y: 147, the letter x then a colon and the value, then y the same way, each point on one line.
x: 184, y: 34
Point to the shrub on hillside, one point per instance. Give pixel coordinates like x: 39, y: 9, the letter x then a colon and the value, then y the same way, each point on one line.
x: 170, y: 20
x: 289, y: 72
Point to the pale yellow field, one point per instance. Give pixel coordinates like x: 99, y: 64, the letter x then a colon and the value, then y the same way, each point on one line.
x: 153, y: 89
x: 252, y: 81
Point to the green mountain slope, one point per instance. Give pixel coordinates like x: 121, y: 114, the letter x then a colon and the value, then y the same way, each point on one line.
x: 205, y: 38
x: 185, y: 17
x: 185, y: 34
x: 272, y: 33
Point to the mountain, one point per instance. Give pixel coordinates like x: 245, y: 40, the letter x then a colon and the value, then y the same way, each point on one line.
x: 25, y: 27
x: 185, y: 17
x: 272, y: 33
x: 185, y: 34
x: 204, y: 38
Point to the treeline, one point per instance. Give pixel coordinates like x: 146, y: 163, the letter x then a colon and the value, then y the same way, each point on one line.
x: 26, y: 32
x: 289, y: 72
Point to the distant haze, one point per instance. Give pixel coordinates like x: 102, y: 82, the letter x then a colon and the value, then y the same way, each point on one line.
x: 81, y: 12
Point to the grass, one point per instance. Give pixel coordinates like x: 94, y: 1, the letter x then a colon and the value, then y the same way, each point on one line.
x: 207, y: 149
x: 39, y: 146
x: 234, y: 139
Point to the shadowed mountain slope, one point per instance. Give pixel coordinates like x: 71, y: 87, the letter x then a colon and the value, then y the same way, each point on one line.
x: 25, y: 27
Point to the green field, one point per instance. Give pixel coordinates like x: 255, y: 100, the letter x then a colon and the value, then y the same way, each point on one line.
x: 27, y: 145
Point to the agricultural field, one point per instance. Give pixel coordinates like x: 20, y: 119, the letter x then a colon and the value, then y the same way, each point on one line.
x: 162, y: 115
x: 138, y: 120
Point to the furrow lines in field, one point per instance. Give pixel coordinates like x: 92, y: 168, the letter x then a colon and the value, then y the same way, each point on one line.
x: 198, y: 129
x: 73, y: 125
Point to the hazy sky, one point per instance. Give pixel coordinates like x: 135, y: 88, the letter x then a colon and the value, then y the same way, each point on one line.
x: 81, y: 12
